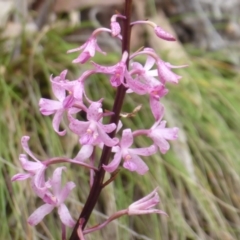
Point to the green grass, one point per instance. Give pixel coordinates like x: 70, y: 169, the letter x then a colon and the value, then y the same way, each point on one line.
x: 205, y: 105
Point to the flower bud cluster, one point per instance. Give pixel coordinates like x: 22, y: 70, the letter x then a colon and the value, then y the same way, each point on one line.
x: 149, y: 79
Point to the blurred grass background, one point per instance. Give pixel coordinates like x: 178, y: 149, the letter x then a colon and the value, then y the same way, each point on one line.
x: 198, y: 179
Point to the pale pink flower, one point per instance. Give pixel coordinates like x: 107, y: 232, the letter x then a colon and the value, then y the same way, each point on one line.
x: 163, y: 68
x: 48, y: 106
x: 35, y: 170
x: 151, y: 86
x: 158, y: 30
x: 145, y: 205
x: 163, y: 34
x: 76, y: 89
x: 55, y: 199
x: 93, y: 132
x: 89, y: 49
x: 116, y: 71
x: 115, y: 26
x: 132, y: 161
x: 160, y: 134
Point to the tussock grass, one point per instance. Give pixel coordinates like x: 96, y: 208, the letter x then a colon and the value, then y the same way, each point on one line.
x: 205, y: 104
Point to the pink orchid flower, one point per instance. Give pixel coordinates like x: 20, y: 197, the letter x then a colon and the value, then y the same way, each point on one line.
x: 76, y: 88
x: 158, y: 30
x: 89, y: 50
x: 35, y: 170
x: 160, y: 134
x: 89, y: 47
x: 145, y: 205
x: 151, y: 86
x: 116, y: 71
x: 132, y: 161
x: 55, y: 199
x: 48, y: 106
x: 163, y: 68
x: 93, y: 132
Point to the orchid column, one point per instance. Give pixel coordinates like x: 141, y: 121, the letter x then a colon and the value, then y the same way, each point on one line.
x: 133, y: 78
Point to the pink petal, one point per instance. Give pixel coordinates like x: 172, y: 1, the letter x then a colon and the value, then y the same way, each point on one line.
x: 135, y: 85
x: 163, y: 35
x: 63, y: 75
x: 39, y: 177
x: 156, y: 108
x: 108, y: 128
x: 147, y: 203
x: 68, y: 101
x: 115, y: 28
x: 74, y: 110
x: 77, y: 49
x: 78, y: 127
x: 149, y: 63
x: 131, y: 166
x: 110, y: 142
x: 50, y: 199
x: 170, y: 133
x: 84, y: 153
x: 39, y: 214
x: 56, y: 181
x: 82, y: 58
x: 118, y: 74
x: 148, y: 151
x: 24, y: 142
x: 56, y: 122
x: 65, y: 216
x: 113, y: 165
x: 104, y: 69
x: 48, y: 106
x: 29, y: 165
x: 78, y: 91
x: 38, y: 183
x: 144, y: 199
x: 137, y: 164
x: 137, y: 66
x: 152, y: 73
x: 119, y: 126
x: 162, y: 144
x: 127, y: 138
x: 99, y: 49
x: 20, y: 177
x: 165, y: 74
x: 66, y: 191
x: 94, y: 111
x: 58, y: 91
x: 88, y: 138
x: 91, y: 46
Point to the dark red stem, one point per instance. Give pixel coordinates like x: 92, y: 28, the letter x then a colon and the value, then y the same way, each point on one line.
x: 106, y: 153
